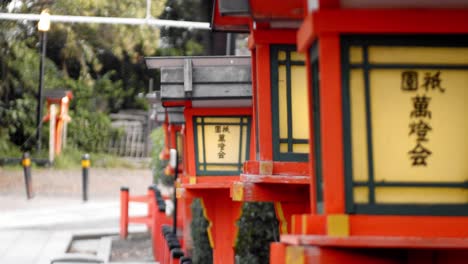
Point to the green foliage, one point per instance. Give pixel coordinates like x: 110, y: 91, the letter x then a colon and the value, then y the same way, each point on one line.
x: 71, y: 159
x: 18, y: 125
x: 258, y: 227
x: 102, y: 65
x: 8, y: 149
x: 18, y: 86
x: 202, y: 252
x: 90, y: 131
x: 178, y: 41
x: 157, y: 140
x: 104, y: 160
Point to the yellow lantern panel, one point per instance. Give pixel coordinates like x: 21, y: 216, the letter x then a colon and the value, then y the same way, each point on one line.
x: 228, y: 152
x: 283, y: 102
x: 418, y: 195
x: 412, y: 119
x: 283, y: 147
x: 282, y: 55
x: 391, y: 127
x: 358, y: 126
x: 222, y: 144
x: 445, y: 137
x: 296, y: 56
x: 299, y: 104
x: 361, y: 194
x: 214, y: 168
x: 297, y: 148
x: 355, y: 54
x: 180, y: 146
x: 292, y: 103
x: 300, y: 148
x: 423, y: 55
x: 245, y: 143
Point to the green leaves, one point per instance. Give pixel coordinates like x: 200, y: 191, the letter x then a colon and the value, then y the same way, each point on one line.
x: 90, y: 131
x: 258, y: 227
x: 202, y: 252
x: 17, y: 121
x: 158, y: 166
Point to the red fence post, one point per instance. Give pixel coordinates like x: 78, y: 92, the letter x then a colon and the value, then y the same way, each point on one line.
x: 151, y: 212
x: 124, y: 199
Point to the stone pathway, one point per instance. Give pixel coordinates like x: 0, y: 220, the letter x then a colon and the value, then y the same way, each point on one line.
x: 38, y: 230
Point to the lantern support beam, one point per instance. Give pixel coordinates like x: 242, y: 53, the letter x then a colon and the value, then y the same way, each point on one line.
x: 110, y: 20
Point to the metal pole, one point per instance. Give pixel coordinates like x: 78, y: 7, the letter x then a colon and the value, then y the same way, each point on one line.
x: 85, y: 164
x: 41, y: 84
x: 26, y: 162
x: 110, y: 20
x: 176, y: 174
x: 229, y: 44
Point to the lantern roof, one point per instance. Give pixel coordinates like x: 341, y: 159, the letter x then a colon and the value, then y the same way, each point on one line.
x: 160, y: 113
x: 153, y: 97
x: 215, y: 81
x: 238, y: 15
x: 385, y: 4
x: 230, y: 16
x: 176, y: 115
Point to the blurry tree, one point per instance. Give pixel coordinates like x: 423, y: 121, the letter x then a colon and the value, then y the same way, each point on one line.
x: 183, y: 42
x: 89, y: 51
x: 178, y: 41
x: 102, y: 64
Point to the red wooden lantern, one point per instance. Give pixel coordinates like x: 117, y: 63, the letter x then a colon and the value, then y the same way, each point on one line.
x: 279, y: 172
x: 385, y: 187
x: 215, y: 93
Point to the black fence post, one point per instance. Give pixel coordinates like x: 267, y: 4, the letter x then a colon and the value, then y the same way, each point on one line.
x: 176, y: 174
x: 26, y: 162
x: 85, y: 164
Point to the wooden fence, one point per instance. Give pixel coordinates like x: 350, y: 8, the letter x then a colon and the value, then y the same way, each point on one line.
x: 133, y: 139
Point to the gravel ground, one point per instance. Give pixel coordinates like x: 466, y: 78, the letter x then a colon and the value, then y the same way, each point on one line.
x: 49, y: 182
x: 136, y: 247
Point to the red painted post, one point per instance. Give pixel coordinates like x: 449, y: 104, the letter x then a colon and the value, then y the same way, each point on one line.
x: 124, y: 195
x: 166, y: 253
x: 150, y: 203
x: 154, y: 234
x: 154, y: 222
x: 277, y: 253
x: 222, y: 213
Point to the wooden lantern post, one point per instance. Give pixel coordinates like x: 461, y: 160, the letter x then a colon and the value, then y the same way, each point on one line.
x: 215, y: 93
x: 279, y: 172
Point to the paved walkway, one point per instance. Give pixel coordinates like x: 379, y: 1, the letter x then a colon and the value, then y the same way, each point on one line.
x: 38, y: 230
x: 36, y: 235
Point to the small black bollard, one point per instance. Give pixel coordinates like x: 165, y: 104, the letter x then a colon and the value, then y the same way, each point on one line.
x: 85, y: 163
x: 26, y: 162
